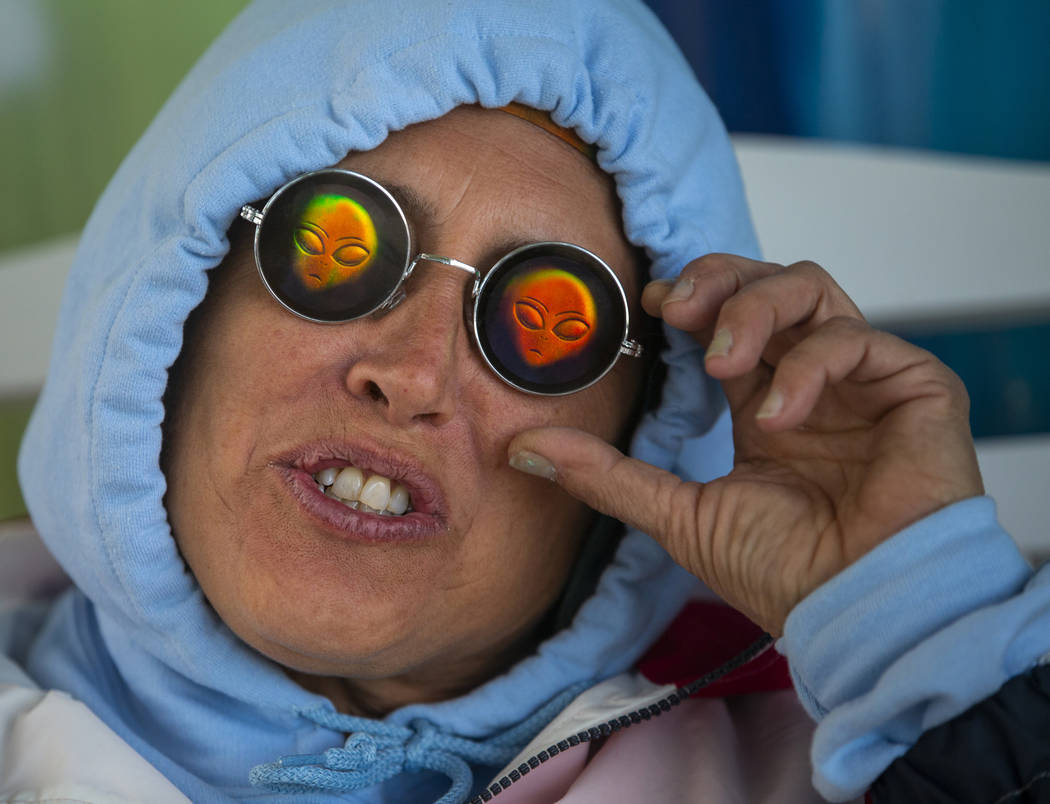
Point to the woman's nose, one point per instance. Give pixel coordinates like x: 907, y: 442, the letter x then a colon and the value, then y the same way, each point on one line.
x: 412, y: 368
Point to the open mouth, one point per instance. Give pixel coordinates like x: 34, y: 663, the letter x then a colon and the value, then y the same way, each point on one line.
x: 371, y: 493
x: 365, y: 492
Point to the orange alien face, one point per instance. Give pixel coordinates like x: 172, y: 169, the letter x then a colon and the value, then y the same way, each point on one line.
x: 335, y: 240
x: 552, y: 315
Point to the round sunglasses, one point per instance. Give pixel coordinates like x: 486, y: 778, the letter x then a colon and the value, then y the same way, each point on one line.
x: 549, y: 318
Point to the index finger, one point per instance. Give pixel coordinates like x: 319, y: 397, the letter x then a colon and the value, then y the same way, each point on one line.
x: 702, y: 288
x: 746, y: 303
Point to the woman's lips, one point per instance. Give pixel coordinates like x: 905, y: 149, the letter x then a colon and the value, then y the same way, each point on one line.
x: 359, y: 525
x: 427, y: 519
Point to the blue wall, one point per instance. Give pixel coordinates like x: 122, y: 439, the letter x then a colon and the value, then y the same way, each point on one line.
x: 970, y: 76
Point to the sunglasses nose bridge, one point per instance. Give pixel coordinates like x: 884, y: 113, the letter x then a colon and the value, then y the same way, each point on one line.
x: 400, y: 294
x: 439, y: 284
x: 451, y: 262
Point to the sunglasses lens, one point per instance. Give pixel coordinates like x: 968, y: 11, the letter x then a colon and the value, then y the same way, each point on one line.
x: 332, y: 246
x: 550, y: 318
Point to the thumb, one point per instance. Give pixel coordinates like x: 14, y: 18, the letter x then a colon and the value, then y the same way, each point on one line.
x: 635, y: 492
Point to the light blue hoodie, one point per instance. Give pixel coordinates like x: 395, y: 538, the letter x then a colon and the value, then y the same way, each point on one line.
x: 290, y: 88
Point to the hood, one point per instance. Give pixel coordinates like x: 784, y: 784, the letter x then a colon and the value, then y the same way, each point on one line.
x: 286, y: 90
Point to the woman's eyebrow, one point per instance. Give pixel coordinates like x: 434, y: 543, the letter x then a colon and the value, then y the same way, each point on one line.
x: 416, y: 208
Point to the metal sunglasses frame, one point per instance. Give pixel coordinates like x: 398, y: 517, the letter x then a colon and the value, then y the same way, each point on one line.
x: 628, y: 347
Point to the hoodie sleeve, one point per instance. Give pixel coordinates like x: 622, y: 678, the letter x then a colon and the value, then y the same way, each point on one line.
x: 928, y: 624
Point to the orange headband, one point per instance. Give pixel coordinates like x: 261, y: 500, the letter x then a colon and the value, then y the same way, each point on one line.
x: 542, y: 119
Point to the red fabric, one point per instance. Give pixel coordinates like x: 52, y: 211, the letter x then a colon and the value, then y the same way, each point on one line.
x: 704, y: 636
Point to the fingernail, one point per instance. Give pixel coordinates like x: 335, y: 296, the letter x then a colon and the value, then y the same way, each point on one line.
x: 532, y: 464
x: 681, y: 291
x: 720, y: 344
x: 661, y: 283
x: 773, y: 404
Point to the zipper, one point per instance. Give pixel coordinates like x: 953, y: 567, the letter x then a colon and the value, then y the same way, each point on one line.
x: 616, y: 724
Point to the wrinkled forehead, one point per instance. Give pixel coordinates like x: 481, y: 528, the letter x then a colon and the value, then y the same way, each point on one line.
x: 524, y: 182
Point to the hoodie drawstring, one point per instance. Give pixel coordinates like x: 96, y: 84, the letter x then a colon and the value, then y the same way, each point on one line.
x: 376, y: 751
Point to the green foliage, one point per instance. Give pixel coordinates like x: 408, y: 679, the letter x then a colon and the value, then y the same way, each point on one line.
x: 99, y: 70
x: 14, y: 415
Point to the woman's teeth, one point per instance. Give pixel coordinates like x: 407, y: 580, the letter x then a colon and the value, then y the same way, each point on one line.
x: 374, y: 494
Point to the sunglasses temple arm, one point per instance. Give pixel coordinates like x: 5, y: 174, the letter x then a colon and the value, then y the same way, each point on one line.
x: 251, y: 214
x: 631, y: 348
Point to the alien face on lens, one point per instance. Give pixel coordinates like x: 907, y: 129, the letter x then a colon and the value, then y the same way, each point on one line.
x: 332, y: 245
x: 552, y: 315
x: 334, y: 241
x: 550, y: 318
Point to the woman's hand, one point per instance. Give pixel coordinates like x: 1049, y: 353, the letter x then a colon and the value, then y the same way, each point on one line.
x: 844, y: 435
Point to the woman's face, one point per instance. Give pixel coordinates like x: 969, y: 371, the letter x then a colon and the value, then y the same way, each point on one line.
x: 418, y: 607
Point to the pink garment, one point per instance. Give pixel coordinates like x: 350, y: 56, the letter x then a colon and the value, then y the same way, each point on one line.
x: 742, y: 750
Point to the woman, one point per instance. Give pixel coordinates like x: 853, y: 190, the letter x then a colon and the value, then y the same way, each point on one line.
x: 240, y: 628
